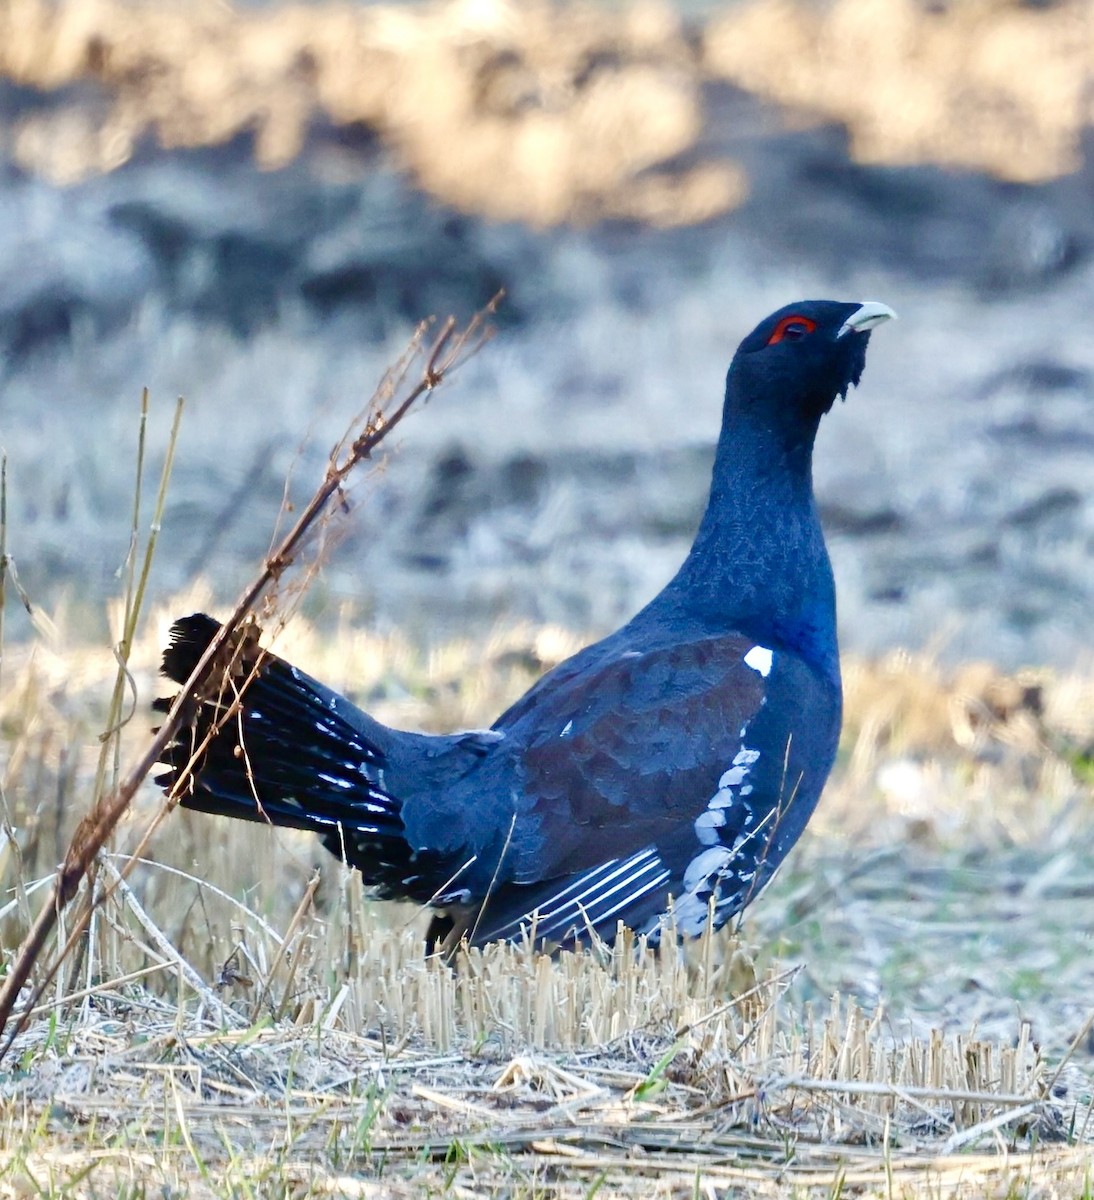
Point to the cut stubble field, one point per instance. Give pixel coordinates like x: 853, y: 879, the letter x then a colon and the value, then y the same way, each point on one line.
x: 890, y: 1018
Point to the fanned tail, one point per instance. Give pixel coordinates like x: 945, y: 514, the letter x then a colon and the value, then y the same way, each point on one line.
x: 294, y: 753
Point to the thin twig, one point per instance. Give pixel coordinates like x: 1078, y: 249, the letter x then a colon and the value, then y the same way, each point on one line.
x: 964, y: 1136
x: 131, y: 859
x: 107, y: 986
x: 786, y: 977
x: 228, y: 1016
x: 7, y: 826
x: 1076, y: 1042
x: 450, y: 350
x: 286, y: 942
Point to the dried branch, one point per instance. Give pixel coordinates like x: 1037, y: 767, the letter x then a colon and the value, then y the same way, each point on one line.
x: 450, y: 349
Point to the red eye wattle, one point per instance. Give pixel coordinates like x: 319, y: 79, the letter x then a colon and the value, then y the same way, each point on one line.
x: 791, y: 328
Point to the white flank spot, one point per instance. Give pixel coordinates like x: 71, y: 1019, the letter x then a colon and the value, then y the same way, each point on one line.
x: 714, y: 862
x: 705, y: 864
x: 566, y: 728
x: 733, y: 777
x: 707, y: 824
x: 690, y: 914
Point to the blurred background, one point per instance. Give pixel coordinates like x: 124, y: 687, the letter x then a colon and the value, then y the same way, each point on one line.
x: 252, y: 206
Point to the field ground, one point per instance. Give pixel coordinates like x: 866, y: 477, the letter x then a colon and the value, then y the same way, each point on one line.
x: 890, y: 1019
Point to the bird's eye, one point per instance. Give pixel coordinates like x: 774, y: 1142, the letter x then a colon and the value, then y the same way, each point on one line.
x: 791, y: 329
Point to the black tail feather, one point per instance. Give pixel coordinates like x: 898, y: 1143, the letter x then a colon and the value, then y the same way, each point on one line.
x: 288, y: 756
x: 190, y: 637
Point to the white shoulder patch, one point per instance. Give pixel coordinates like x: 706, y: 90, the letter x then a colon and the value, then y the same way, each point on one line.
x: 760, y: 659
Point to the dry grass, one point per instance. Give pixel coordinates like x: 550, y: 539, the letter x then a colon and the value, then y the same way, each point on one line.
x: 530, y: 111
x: 994, y: 86
x: 905, y: 1012
x: 551, y: 113
x: 236, y: 1026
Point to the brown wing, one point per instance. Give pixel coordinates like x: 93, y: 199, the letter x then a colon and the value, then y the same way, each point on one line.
x: 687, y: 771
x: 629, y: 752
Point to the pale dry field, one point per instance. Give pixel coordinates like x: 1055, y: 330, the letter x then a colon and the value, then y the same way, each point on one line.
x: 907, y: 1010
x: 902, y: 1013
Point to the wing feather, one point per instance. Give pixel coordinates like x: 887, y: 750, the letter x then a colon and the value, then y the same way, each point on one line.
x: 685, y: 771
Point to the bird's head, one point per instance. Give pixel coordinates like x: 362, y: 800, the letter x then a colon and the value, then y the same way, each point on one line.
x: 795, y: 363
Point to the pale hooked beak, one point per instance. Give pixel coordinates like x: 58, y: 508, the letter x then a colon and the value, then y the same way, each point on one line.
x: 869, y: 315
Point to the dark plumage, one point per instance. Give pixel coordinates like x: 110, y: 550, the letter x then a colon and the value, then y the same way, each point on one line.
x: 680, y: 757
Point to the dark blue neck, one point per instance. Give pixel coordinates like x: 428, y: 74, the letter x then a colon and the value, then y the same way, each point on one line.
x: 759, y: 564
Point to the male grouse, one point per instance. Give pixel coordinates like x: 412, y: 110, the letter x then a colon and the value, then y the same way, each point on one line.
x: 666, y: 769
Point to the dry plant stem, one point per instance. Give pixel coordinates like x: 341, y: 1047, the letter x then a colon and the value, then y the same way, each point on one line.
x: 784, y: 977
x: 135, y: 587
x: 450, y: 349
x: 855, y: 1087
x: 110, y: 747
x: 1076, y: 1042
x: 130, y: 860
x: 282, y: 950
x: 6, y: 824
x: 107, y: 986
x: 964, y: 1136
x: 164, y: 947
